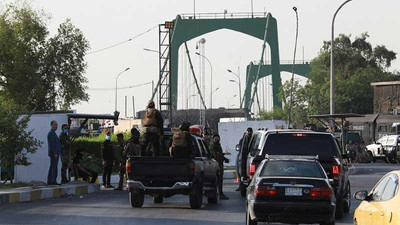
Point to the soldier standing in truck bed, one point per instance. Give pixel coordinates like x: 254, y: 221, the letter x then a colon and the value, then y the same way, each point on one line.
x: 181, y: 146
x: 153, y: 129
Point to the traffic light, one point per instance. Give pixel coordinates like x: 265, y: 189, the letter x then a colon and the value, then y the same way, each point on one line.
x: 116, y: 114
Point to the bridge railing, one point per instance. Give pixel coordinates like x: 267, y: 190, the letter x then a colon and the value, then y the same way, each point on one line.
x: 283, y: 62
x: 223, y: 15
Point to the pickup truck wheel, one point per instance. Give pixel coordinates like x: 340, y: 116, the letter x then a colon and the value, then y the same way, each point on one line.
x: 347, y: 199
x: 214, y: 198
x: 158, y: 199
x: 339, y: 207
x: 196, y: 198
x: 136, y: 199
x: 243, y: 189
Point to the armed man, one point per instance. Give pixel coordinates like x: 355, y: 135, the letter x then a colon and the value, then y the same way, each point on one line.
x: 181, y: 146
x: 153, y: 129
x: 133, y: 146
x: 65, y: 146
x: 217, y: 154
x: 108, y: 160
x: 120, y: 139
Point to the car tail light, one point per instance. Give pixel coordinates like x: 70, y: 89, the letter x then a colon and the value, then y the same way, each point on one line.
x: 237, y: 179
x: 252, y: 169
x: 128, y: 166
x: 264, y: 191
x: 300, y: 135
x: 321, y: 192
x: 191, y: 167
x: 335, y: 170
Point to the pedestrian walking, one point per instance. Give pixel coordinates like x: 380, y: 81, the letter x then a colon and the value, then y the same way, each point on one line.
x: 108, y: 160
x: 54, y: 152
x: 218, y: 155
x: 153, y: 129
x: 65, y: 146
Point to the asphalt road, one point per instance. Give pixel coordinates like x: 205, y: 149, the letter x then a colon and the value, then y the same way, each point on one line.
x: 112, y: 207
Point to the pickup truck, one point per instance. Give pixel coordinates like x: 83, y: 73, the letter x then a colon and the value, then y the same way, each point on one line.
x: 305, y: 142
x: 385, y: 148
x: 165, y: 176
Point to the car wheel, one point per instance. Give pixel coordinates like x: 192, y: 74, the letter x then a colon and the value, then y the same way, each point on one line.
x: 243, y: 189
x: 214, y: 198
x: 136, y: 199
x: 339, y: 207
x: 347, y: 199
x: 158, y: 199
x: 196, y: 198
x: 249, y: 221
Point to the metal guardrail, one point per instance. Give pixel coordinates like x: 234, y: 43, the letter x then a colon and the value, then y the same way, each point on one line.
x: 225, y: 15
x: 283, y: 62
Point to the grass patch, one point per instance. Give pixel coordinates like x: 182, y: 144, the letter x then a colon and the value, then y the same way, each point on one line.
x: 14, y: 185
x: 230, y: 168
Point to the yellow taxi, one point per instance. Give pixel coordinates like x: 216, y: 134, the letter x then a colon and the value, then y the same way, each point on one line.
x: 381, y: 205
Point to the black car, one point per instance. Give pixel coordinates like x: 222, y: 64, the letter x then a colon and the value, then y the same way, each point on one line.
x: 303, y: 142
x: 290, y: 189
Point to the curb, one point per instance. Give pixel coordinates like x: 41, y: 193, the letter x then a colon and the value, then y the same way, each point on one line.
x: 28, y: 194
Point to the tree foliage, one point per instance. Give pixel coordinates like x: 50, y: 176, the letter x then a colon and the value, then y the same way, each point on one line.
x: 357, y: 65
x: 39, y: 72
x: 15, y: 141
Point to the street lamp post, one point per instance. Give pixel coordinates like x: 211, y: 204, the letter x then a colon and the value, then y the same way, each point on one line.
x: 332, y: 77
x: 116, y: 86
x: 240, y: 87
x: 229, y: 102
x: 187, y: 101
x: 211, y: 78
x: 234, y: 81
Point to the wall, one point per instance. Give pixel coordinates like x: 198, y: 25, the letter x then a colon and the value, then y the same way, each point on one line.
x: 38, y: 170
x: 232, y: 132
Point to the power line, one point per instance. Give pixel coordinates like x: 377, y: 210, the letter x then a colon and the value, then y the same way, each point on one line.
x: 120, y: 43
x: 113, y: 89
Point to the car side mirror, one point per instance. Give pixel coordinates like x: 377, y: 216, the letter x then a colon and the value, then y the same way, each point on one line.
x: 361, y: 195
x: 237, y: 147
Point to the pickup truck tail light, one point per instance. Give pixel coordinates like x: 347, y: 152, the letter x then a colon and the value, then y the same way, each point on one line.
x: 264, y: 191
x: 191, y: 167
x: 128, y: 166
x: 321, y: 192
x: 252, y: 169
x: 335, y: 170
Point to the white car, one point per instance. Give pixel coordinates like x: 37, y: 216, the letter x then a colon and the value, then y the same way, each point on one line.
x: 386, y: 148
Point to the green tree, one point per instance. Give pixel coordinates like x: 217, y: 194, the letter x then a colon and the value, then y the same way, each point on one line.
x: 39, y: 72
x: 15, y: 141
x: 357, y: 65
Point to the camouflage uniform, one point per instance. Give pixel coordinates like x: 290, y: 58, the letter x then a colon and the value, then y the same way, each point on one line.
x: 65, y: 146
x: 218, y: 155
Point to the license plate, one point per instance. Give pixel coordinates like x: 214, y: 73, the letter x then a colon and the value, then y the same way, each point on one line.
x: 293, y: 191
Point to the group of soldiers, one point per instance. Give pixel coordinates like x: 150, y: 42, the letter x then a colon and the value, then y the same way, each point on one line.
x: 152, y: 144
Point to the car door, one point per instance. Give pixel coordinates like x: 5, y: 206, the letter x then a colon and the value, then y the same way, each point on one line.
x: 206, y: 157
x: 368, y: 210
x: 388, y: 203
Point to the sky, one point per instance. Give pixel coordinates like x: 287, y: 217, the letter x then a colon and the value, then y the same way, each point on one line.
x: 106, y: 23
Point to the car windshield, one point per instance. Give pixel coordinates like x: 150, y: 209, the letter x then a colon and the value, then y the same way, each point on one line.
x: 292, y: 168
x: 391, y: 141
x: 301, y: 144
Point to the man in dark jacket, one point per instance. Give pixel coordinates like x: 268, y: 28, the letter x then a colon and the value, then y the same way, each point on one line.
x: 153, y: 130
x: 54, y: 146
x: 65, y: 144
x: 244, y: 152
x: 108, y: 160
x: 218, y: 155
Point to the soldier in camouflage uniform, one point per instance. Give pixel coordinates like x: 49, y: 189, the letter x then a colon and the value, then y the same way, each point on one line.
x: 120, y: 139
x: 217, y: 154
x: 65, y: 146
x: 153, y: 130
